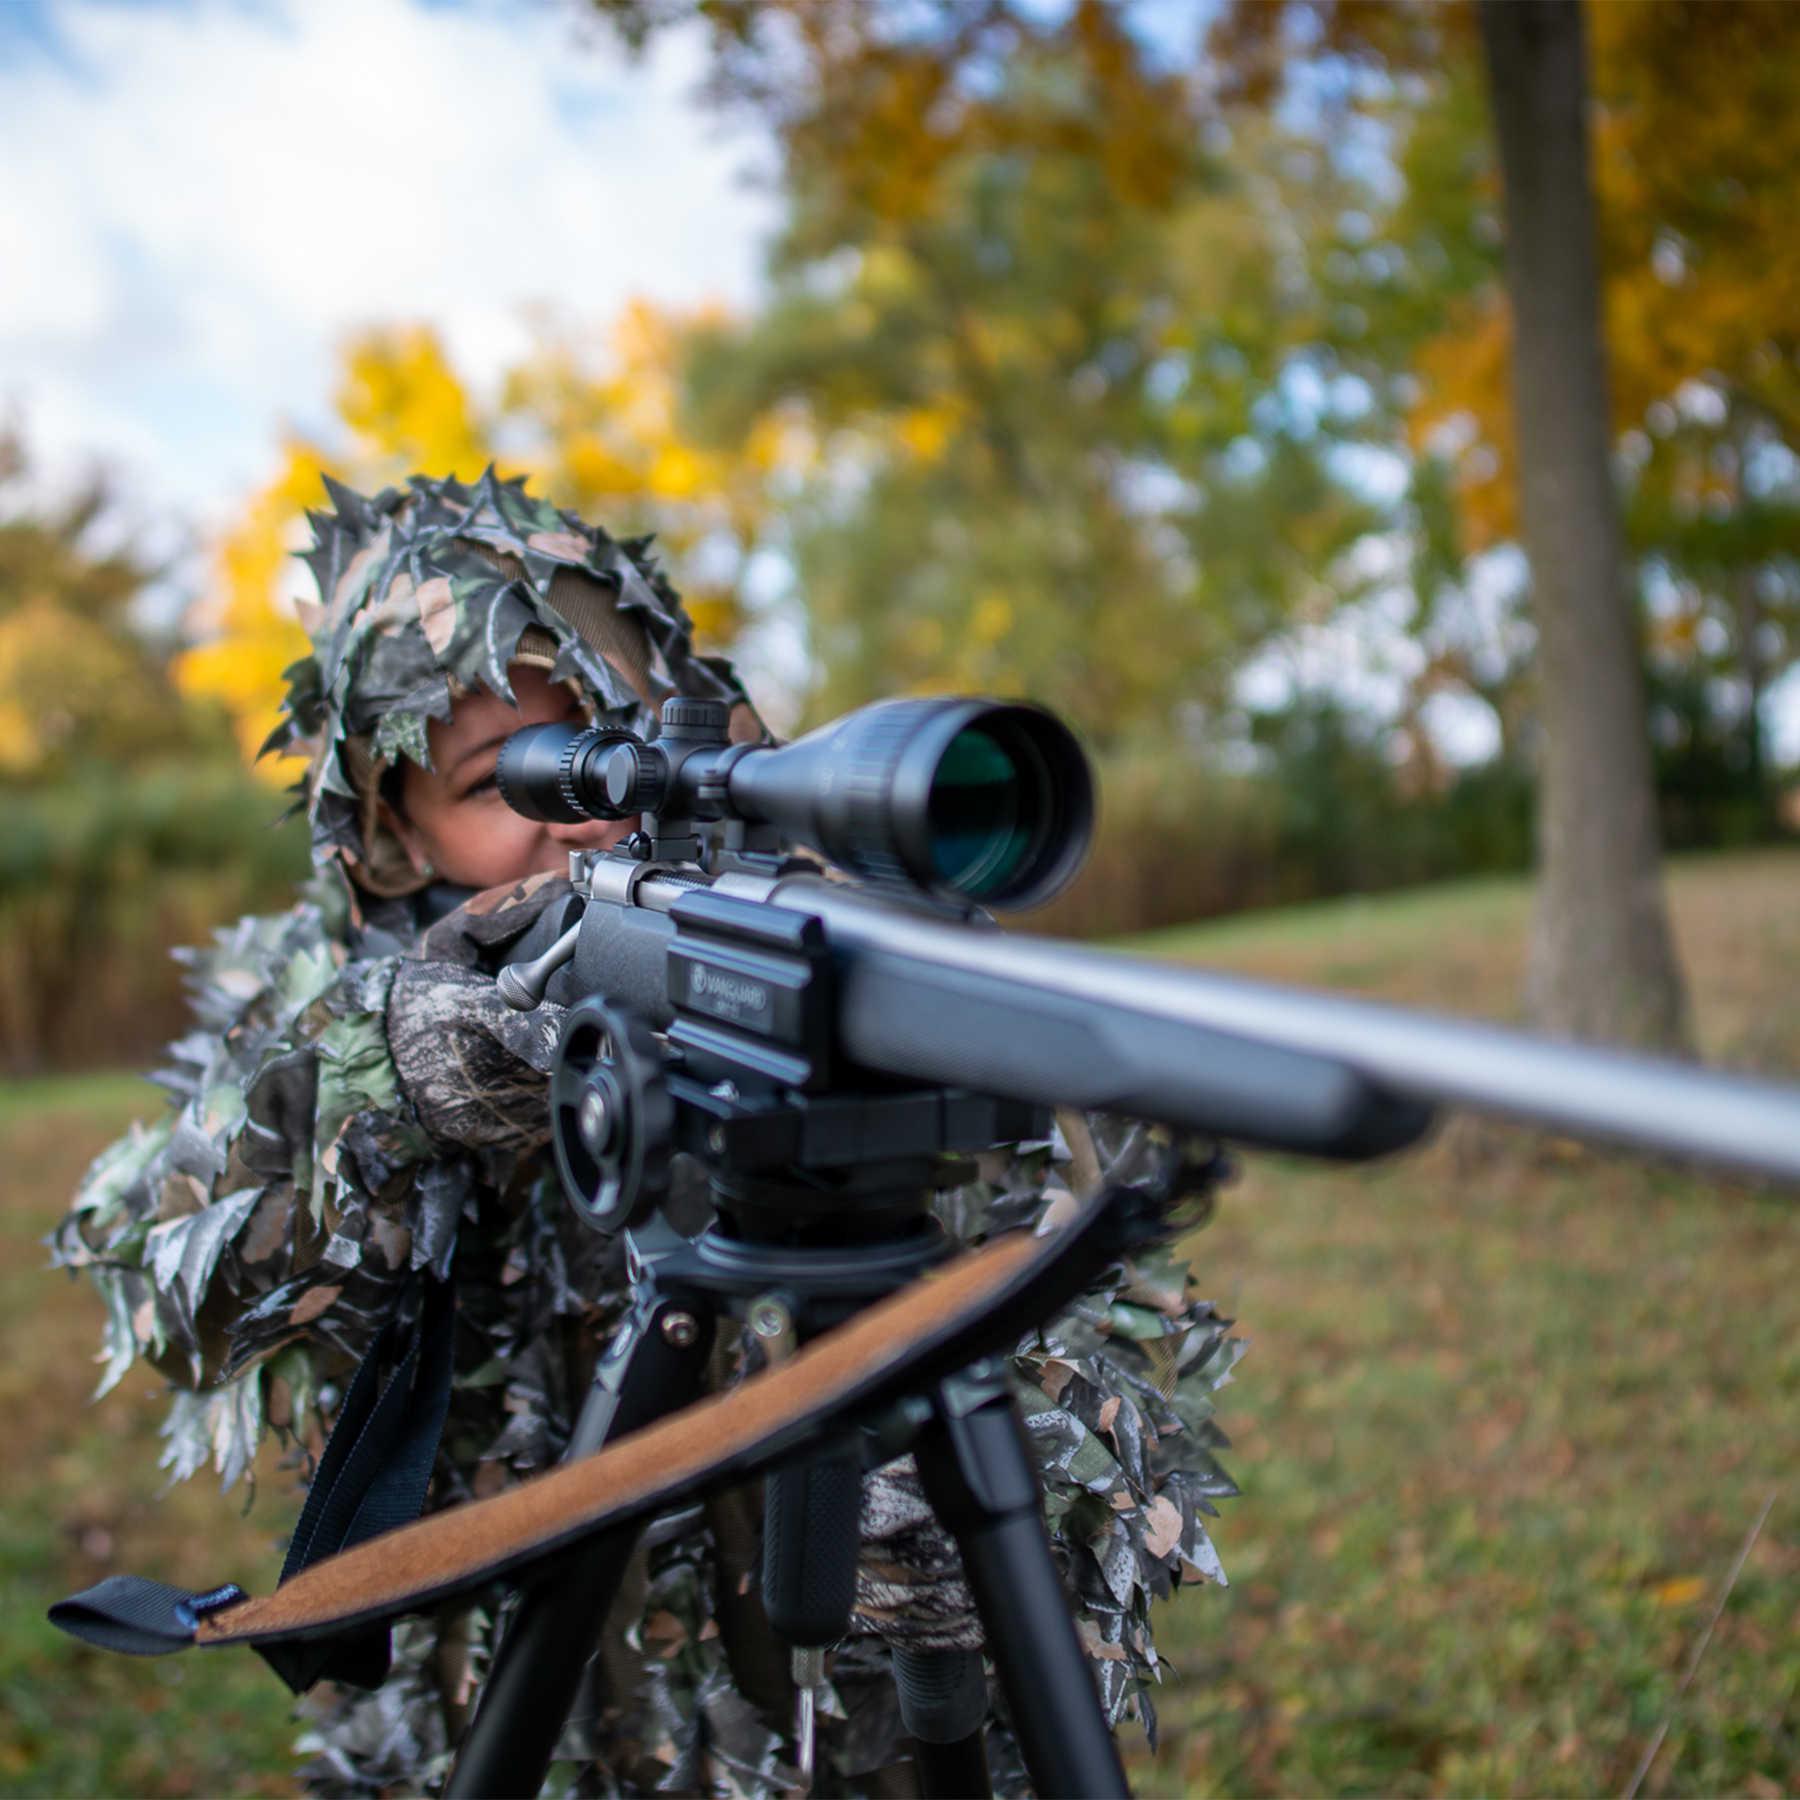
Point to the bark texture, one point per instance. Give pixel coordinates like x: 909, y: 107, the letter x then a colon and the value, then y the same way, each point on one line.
x: 1603, y: 965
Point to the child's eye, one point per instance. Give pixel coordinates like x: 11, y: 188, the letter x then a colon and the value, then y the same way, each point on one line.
x: 488, y: 784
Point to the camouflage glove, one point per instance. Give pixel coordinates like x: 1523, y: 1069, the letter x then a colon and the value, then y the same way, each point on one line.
x: 485, y: 930
x: 472, y: 1067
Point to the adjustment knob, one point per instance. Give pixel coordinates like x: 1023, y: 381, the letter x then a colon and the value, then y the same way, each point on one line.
x: 706, y: 719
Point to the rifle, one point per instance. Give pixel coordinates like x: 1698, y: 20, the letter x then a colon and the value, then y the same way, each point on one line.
x: 819, y: 1045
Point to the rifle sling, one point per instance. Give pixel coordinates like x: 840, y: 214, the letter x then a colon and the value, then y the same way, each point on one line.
x: 980, y: 1303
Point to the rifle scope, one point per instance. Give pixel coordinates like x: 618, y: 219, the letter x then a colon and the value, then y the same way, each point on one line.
x: 973, y: 800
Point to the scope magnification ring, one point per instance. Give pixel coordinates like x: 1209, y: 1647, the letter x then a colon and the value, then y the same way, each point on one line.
x: 572, y: 751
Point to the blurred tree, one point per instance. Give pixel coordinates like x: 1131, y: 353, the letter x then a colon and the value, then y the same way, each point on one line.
x: 127, y: 824
x: 1443, y: 306
x: 1039, y: 329
x: 604, y: 434
x: 1700, y: 145
x: 1695, y: 159
x: 80, y: 683
x: 595, y: 432
x: 1602, y: 957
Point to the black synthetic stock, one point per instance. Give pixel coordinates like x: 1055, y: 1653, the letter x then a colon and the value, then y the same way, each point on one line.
x: 1178, y: 1033
x: 907, y: 1016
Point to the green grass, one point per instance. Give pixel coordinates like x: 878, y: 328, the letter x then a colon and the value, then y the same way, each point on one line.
x: 83, y: 1498
x: 1506, y: 1419
x: 1354, y: 924
x: 1509, y: 1412
x: 113, y: 1094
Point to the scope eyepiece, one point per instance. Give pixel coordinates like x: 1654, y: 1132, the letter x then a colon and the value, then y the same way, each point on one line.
x: 972, y: 800
x: 559, y: 773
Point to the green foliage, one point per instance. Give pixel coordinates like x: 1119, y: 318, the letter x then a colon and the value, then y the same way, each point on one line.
x: 1053, y: 454
x: 129, y: 826
x: 78, y: 681
x: 1710, y: 788
x: 101, y: 875
x: 105, y: 826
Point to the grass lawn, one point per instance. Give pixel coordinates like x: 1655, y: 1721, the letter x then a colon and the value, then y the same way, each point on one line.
x: 83, y: 1498
x: 1504, y: 1424
x: 1504, y: 1427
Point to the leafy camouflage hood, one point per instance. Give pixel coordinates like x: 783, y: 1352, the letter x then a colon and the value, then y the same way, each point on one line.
x: 433, y: 591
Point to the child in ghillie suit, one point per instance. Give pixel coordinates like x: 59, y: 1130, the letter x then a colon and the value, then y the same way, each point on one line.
x: 356, y: 1106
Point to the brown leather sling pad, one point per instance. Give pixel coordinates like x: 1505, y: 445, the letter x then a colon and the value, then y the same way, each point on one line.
x: 980, y: 1303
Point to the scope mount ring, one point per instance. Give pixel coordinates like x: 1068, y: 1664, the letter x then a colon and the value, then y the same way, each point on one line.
x: 612, y: 1119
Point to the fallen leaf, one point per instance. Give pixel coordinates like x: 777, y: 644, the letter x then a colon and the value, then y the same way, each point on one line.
x: 1684, y: 1590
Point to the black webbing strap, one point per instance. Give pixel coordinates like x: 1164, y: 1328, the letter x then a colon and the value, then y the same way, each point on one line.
x: 372, y: 1477
x: 138, y: 1616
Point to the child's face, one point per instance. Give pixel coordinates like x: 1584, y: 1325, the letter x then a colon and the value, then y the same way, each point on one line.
x: 454, y: 817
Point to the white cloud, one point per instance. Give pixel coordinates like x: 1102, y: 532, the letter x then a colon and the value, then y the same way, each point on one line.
x: 202, y: 199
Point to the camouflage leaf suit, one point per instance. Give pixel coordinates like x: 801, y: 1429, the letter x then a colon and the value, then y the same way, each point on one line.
x: 355, y: 1105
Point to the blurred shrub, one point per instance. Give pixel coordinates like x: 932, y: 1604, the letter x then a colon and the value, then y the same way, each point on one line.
x: 1714, y: 790
x: 101, y: 874
x: 1326, y: 813
x: 1179, y: 843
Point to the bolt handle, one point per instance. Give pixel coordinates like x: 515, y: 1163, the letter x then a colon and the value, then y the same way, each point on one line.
x: 523, y: 985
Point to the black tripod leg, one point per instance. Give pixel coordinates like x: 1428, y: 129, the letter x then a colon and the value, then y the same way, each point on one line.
x: 979, y: 1477
x: 653, y: 1367
x: 943, y: 1708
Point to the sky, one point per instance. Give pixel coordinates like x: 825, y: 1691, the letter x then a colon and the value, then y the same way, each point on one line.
x: 202, y: 198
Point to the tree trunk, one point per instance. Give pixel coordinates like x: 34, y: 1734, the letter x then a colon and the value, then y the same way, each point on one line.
x: 1602, y: 962
x: 1747, y: 611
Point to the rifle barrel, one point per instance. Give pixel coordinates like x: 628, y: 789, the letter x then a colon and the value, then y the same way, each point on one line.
x: 1102, y: 1022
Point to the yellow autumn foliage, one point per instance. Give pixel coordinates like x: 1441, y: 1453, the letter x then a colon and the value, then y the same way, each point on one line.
x: 924, y: 432
x: 69, y: 685
x: 597, y: 433
x: 253, y: 634
x: 1695, y: 145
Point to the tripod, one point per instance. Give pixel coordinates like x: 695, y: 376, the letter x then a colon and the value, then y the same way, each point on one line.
x: 794, y: 1250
